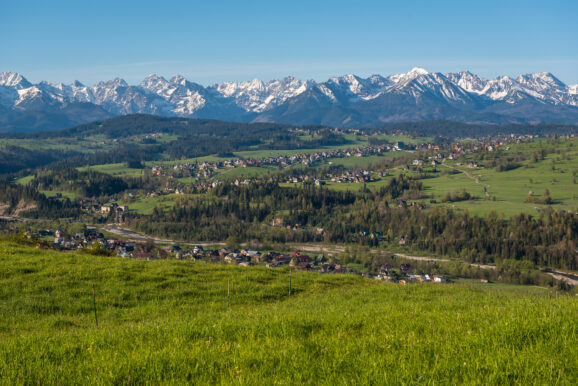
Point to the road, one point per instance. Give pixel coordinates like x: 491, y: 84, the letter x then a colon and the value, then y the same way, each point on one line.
x: 341, y: 249
x: 135, y: 236
x: 568, y: 277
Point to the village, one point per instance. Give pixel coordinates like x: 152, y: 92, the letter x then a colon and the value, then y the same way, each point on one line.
x: 93, y: 242
x: 207, y: 174
x: 437, y: 154
x: 207, y: 169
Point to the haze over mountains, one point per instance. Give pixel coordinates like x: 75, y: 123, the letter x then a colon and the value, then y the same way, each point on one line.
x: 344, y: 101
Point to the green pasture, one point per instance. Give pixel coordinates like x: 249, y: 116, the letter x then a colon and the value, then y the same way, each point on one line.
x: 62, y: 144
x: 24, y: 180
x: 248, y: 172
x: 512, y: 187
x: 117, y: 169
x: 178, y: 322
x: 70, y: 195
x: 145, y: 205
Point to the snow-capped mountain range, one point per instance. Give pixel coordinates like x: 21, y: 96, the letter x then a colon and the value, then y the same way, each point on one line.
x: 348, y: 100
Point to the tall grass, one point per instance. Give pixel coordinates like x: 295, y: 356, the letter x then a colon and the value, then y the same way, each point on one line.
x: 167, y: 322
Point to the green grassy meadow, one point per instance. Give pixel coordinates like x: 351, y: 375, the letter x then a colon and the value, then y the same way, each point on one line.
x: 168, y: 322
x: 146, y: 205
x: 118, y: 169
x: 510, y: 188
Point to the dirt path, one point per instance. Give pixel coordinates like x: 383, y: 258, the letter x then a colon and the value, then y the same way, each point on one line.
x: 569, y: 278
x: 486, y: 187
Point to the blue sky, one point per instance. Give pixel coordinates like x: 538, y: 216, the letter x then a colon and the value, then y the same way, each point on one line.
x: 215, y: 41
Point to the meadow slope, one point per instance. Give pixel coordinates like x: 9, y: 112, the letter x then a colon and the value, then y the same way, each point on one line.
x: 168, y: 322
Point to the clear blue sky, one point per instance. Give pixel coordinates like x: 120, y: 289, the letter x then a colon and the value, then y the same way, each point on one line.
x: 214, y: 41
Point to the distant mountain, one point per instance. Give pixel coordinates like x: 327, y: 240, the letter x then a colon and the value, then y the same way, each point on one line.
x: 346, y: 101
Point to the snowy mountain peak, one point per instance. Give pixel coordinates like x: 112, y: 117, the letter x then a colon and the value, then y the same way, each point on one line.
x: 541, y: 81
x: 462, y: 95
x: 179, y: 79
x: 116, y: 82
x: 153, y: 82
x: 14, y: 80
x: 257, y: 96
x: 468, y: 81
x: 414, y: 73
x: 154, y: 78
x: 417, y: 71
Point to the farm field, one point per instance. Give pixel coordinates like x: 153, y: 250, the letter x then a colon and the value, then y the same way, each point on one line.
x: 171, y: 322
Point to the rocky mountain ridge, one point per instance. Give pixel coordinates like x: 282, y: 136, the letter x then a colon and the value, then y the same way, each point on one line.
x: 348, y: 100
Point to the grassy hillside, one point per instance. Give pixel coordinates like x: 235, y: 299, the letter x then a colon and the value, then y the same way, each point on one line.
x: 168, y: 322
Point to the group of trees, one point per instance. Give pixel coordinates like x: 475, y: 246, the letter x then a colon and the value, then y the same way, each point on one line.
x: 28, y: 202
x: 85, y: 183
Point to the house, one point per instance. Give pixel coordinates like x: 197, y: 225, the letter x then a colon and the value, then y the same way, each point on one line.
x: 142, y: 255
x: 439, y: 279
x: 278, y: 222
x: 233, y: 258
x: 281, y: 259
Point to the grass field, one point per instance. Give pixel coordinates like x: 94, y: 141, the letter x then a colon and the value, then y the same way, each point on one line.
x: 119, y: 169
x: 24, y: 180
x: 510, y: 188
x: 70, y: 195
x: 145, y: 205
x: 168, y: 322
